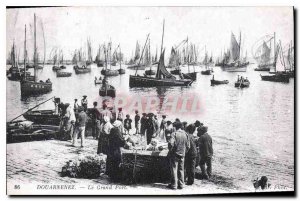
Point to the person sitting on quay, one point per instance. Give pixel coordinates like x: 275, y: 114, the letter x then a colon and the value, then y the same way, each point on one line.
x: 190, y: 156
x: 137, y: 122
x: 84, y: 103
x: 127, y: 124
x: 120, y: 115
x: 80, y: 127
x: 177, y: 145
x: 206, y: 151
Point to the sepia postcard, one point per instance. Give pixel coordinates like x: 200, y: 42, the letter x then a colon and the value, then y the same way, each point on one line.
x: 150, y: 100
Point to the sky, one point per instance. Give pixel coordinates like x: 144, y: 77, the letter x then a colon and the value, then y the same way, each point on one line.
x: 68, y: 28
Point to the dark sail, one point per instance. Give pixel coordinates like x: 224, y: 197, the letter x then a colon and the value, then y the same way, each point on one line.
x: 162, y: 72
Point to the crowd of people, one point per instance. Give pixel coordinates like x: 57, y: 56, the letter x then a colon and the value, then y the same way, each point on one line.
x: 188, y: 145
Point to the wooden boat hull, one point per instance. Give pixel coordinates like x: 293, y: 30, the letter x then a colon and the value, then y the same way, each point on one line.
x: 63, y: 74
x: 136, y: 67
x: 110, y: 91
x: 82, y: 70
x: 192, y: 76
x: 45, y: 117
x: 236, y: 69
x: 121, y: 71
x: 139, y: 81
x: 63, y: 67
x: 276, y: 78
x: 242, y: 85
x: 108, y: 72
x: 217, y: 82
x: 32, y: 88
x: 262, y: 69
x: 206, y: 72
x: 149, y: 72
x: 175, y: 72
x: 56, y: 68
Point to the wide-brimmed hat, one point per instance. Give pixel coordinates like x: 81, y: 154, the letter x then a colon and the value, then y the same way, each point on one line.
x: 84, y: 96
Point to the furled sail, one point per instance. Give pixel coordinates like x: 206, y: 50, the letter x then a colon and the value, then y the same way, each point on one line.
x: 137, y: 52
x: 266, y: 52
x: 162, y: 72
x: 280, y: 61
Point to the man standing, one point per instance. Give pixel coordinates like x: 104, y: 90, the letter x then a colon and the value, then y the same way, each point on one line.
x: 206, y: 151
x: 150, y: 127
x: 75, y: 106
x: 177, y: 147
x: 143, y: 124
x: 84, y: 103
x: 96, y: 121
x: 106, y: 112
x: 80, y: 126
x: 137, y: 122
x: 163, y: 125
x: 190, y: 156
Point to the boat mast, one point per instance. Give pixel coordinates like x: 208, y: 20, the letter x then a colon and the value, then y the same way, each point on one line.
x: 120, y: 56
x: 141, y: 54
x: 240, y: 47
x: 275, y: 50
x: 149, y: 57
x: 158, y: 74
x: 188, y: 54
x: 25, y: 55
x: 34, y: 54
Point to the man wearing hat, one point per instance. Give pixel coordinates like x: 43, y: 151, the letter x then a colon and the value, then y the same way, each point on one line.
x: 178, y: 145
x: 137, y: 122
x: 206, y: 151
x: 75, y: 105
x: 80, y: 126
x: 96, y: 121
x: 127, y: 124
x: 150, y: 127
x: 143, y: 123
x: 84, y: 103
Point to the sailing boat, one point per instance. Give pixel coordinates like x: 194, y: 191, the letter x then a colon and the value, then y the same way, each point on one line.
x: 120, y: 59
x: 106, y: 71
x: 99, y: 62
x: 263, y: 55
x: 290, y: 68
x: 279, y: 68
x: 15, y: 73
x: 189, y: 75
x: 29, y: 87
x: 55, y: 62
x: 61, y: 62
x: 162, y: 78
x: 235, y: 62
x: 148, y: 61
x: 206, y: 62
x: 83, y: 66
x: 137, y: 56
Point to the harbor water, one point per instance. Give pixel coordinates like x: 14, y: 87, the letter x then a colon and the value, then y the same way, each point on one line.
x: 252, y: 128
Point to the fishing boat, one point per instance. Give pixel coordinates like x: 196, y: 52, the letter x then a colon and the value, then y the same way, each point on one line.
x: 52, y: 117
x: 83, y: 69
x: 162, y: 78
x: 133, y: 61
x: 190, y: 59
x: 15, y: 73
x: 108, y: 72
x: 242, y: 82
x: 235, y: 61
x: 120, y: 59
x: 98, y: 60
x: 218, y: 82
x: 55, y: 66
x: 280, y: 74
x: 149, y: 72
x: 206, y: 62
x: 61, y: 73
x: 107, y: 91
x: 29, y: 87
x: 263, y: 52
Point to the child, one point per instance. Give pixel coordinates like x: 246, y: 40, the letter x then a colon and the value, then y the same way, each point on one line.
x: 127, y: 124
